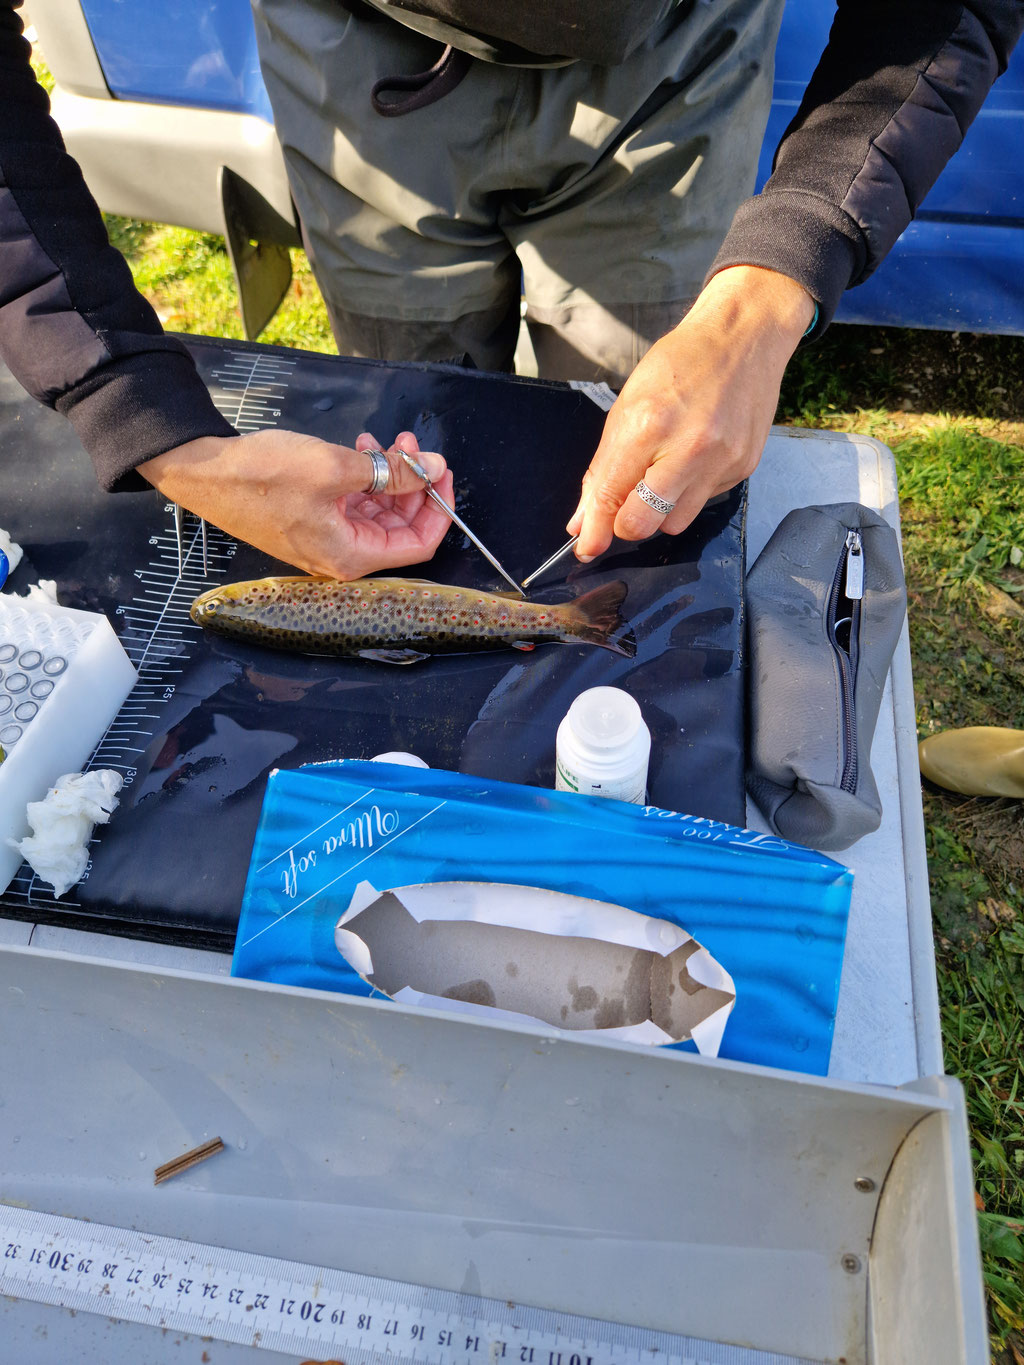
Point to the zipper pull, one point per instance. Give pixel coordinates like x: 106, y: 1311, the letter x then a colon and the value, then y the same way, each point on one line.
x: 854, y: 566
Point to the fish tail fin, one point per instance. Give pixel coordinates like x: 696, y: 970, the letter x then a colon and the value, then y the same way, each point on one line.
x: 596, y: 618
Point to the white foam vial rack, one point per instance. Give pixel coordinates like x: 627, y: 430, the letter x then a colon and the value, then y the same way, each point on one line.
x: 63, y: 678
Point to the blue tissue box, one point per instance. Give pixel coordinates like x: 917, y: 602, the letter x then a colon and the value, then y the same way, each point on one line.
x: 335, y: 839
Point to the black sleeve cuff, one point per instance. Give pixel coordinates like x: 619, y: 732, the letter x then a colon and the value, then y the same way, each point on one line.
x: 138, y: 407
x: 799, y: 235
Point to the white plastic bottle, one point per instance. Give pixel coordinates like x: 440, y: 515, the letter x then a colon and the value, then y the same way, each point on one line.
x: 603, y: 747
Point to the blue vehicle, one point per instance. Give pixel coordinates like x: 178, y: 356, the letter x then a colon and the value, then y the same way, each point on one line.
x: 214, y: 162
x: 960, y: 265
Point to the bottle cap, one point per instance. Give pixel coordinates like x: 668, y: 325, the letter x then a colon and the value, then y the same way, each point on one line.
x: 404, y: 760
x: 605, y: 717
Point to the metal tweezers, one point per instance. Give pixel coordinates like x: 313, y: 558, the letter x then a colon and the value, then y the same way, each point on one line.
x: 179, y: 521
x: 435, y: 497
x: 549, y: 562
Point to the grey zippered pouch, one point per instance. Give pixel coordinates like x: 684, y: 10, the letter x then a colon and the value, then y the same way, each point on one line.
x: 825, y: 602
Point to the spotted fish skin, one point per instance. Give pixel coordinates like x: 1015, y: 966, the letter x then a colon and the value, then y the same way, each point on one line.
x: 401, y: 620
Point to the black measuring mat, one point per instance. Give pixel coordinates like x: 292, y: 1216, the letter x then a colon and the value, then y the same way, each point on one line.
x: 212, y: 717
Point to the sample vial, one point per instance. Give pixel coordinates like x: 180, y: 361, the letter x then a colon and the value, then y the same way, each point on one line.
x: 603, y: 747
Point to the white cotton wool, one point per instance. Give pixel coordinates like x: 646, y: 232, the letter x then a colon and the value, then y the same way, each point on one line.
x: 62, y: 824
x: 10, y: 549
x: 45, y: 592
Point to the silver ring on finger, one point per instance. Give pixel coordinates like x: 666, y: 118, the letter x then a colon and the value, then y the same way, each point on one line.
x: 381, y: 471
x: 652, y: 499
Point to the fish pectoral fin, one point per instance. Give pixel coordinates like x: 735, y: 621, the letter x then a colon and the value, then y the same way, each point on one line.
x: 522, y: 644
x: 393, y: 656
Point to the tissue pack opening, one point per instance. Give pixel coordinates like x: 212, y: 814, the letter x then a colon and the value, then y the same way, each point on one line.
x: 572, y: 982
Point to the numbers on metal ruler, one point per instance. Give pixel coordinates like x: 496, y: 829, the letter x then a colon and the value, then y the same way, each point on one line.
x: 285, y: 1305
x: 157, y: 1280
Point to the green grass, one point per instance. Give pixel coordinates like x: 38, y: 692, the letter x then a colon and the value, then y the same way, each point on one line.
x: 981, y: 988
x: 187, y: 277
x: 881, y: 371
x: 966, y: 487
x: 950, y: 408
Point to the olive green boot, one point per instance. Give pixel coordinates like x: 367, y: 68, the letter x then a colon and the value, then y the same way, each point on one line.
x: 981, y: 760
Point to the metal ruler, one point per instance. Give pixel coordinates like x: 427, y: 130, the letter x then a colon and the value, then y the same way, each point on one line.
x: 312, y: 1311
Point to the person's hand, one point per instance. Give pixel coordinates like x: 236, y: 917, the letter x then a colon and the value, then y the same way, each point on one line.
x: 693, y: 417
x: 300, y: 499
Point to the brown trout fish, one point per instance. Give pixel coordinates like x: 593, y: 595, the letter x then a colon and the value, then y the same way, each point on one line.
x: 402, y: 620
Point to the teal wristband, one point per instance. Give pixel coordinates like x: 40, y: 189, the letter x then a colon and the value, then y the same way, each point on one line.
x: 813, y: 322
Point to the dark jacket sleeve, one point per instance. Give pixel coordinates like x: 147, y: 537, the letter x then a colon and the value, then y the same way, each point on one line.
x: 74, y: 331
x: 896, y: 89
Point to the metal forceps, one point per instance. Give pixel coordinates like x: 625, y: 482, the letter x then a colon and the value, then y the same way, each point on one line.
x: 421, y: 473
x: 179, y: 521
x: 549, y: 562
